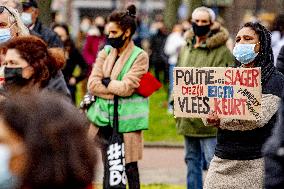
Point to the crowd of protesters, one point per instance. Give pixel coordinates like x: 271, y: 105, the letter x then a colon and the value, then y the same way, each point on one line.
x: 47, y: 142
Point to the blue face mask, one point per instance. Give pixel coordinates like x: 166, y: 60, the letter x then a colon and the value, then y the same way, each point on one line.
x: 5, y: 35
x: 244, y: 53
x: 7, y: 179
x: 27, y: 18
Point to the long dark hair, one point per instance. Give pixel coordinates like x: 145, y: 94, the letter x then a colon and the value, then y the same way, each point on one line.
x: 125, y: 19
x: 265, y: 57
x: 59, y: 153
x: 69, y: 45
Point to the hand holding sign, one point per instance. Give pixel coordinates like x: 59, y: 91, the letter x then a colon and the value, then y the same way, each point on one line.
x: 229, y: 92
x: 213, y: 119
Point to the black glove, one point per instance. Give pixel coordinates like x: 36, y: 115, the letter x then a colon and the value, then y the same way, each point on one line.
x: 106, y: 81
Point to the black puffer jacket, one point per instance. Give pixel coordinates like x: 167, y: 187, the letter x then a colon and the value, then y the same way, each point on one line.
x: 57, y: 83
x: 49, y: 36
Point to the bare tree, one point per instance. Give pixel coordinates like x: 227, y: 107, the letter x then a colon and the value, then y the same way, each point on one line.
x: 171, y: 12
x: 280, y: 5
x: 172, y: 8
x: 193, y: 4
x: 45, y: 11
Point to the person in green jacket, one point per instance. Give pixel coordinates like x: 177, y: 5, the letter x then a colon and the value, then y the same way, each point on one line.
x: 205, y: 47
x: 117, y: 71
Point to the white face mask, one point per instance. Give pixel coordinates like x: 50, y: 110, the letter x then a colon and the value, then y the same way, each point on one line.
x: 5, y: 35
x: 245, y: 53
x: 7, y: 179
x: 84, y: 27
x: 27, y: 18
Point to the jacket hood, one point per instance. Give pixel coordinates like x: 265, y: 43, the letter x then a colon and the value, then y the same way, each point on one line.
x: 218, y: 36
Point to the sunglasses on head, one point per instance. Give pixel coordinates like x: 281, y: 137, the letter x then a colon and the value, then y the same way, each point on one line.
x: 3, y: 8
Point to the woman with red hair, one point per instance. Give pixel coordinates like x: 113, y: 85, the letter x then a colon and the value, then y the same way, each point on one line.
x: 29, y: 64
x: 52, y: 148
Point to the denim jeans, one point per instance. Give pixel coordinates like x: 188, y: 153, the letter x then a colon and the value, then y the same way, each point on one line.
x: 194, y: 147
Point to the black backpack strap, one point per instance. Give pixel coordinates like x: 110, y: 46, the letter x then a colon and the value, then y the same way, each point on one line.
x: 115, y: 114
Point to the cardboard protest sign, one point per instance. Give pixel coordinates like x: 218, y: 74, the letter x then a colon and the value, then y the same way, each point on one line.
x: 230, y: 92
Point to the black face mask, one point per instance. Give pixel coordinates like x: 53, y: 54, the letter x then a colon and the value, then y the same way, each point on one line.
x: 200, y: 30
x: 13, y: 77
x: 116, y: 42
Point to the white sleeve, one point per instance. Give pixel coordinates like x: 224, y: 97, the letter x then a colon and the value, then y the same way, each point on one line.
x: 173, y: 43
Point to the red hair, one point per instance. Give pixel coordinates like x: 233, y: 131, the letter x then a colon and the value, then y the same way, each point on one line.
x: 44, y: 61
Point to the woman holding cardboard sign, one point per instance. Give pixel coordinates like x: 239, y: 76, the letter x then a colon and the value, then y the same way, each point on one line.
x: 238, y: 161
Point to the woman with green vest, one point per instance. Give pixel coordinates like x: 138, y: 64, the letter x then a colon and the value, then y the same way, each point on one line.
x: 117, y: 71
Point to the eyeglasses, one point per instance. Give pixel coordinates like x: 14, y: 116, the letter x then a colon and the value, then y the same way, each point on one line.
x: 3, y: 8
x: 12, y: 18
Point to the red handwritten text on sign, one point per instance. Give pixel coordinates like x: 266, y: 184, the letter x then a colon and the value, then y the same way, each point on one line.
x: 230, y: 92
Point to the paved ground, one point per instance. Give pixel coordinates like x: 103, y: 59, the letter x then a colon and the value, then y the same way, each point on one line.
x: 163, y: 165
x: 160, y: 165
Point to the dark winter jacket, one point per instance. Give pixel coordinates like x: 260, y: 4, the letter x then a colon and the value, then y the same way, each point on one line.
x: 45, y: 33
x: 158, y: 59
x: 274, y: 154
x: 75, y: 59
x: 57, y: 83
x: 280, y: 61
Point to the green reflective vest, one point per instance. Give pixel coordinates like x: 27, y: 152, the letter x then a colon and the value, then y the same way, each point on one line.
x: 133, y: 111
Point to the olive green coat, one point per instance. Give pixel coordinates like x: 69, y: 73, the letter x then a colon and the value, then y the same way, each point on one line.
x: 213, y: 53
